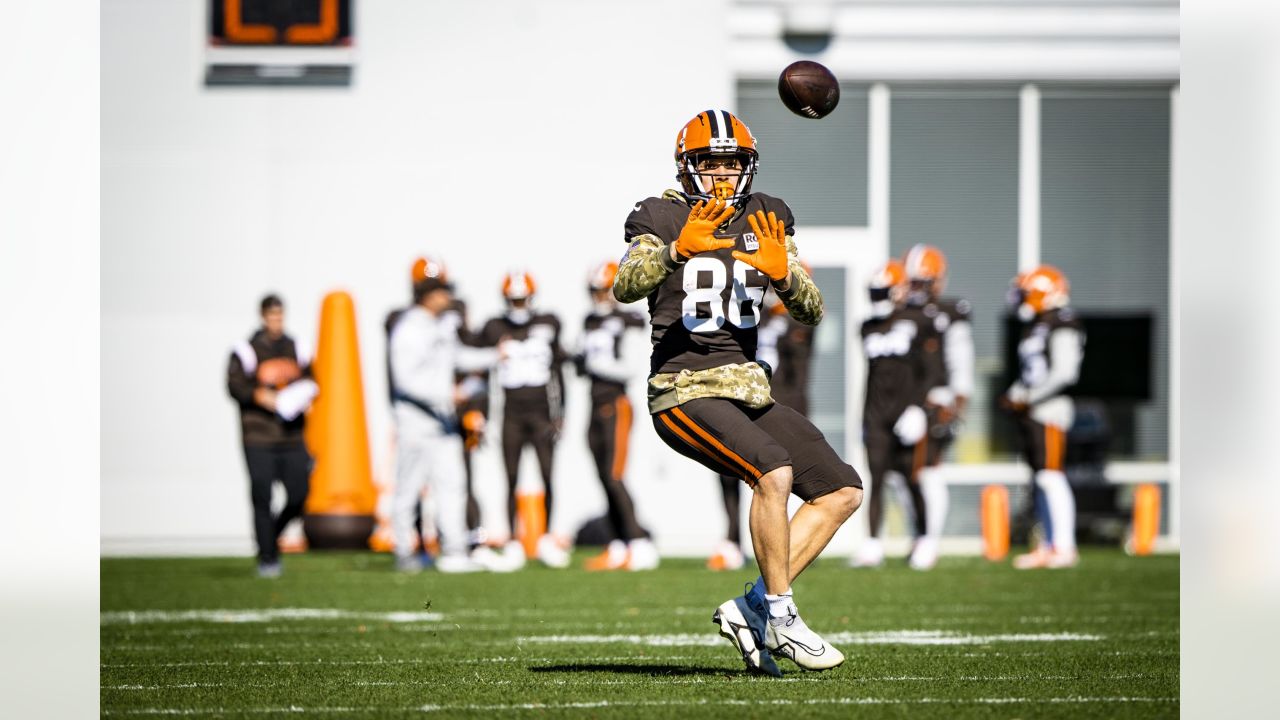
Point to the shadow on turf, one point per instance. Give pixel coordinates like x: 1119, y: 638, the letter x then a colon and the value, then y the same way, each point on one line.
x: 637, y: 669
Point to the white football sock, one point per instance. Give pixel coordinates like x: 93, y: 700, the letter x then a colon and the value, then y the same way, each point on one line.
x: 1062, y: 508
x: 780, y: 605
x: 936, y: 500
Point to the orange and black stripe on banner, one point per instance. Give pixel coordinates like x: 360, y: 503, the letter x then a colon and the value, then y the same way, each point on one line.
x: 621, y: 431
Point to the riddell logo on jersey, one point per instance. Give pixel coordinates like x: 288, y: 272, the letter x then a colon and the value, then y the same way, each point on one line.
x: 750, y: 242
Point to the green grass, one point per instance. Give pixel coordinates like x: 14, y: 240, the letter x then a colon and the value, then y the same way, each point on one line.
x: 497, y: 645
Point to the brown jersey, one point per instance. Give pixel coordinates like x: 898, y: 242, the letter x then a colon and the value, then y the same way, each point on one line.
x: 705, y: 313
x: 531, y: 370
x: 1035, y: 352
x: 904, y: 360
x: 792, y: 350
x: 602, y: 338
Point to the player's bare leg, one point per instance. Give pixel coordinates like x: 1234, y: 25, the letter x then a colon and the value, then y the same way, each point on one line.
x: 813, y: 526
x: 744, y: 620
x: 770, y: 531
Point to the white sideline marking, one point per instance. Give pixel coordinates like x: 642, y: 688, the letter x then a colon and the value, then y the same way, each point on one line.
x: 295, y: 709
x: 138, y: 617
x: 892, y: 637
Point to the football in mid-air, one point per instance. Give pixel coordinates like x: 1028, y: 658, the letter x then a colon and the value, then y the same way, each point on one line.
x: 809, y: 89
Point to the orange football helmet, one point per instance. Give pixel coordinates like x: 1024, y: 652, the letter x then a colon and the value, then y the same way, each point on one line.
x: 889, y: 282
x: 887, y: 287
x: 601, y: 277
x: 926, y: 264
x: 1045, y: 288
x: 715, y: 134
x: 427, y: 267
x: 518, y: 285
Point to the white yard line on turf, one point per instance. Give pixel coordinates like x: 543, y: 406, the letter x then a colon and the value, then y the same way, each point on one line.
x: 410, y: 661
x: 718, y: 680
x: 138, y: 617
x: 893, y: 637
x: 295, y: 709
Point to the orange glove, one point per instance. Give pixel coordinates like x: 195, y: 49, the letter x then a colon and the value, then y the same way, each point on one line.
x: 771, y: 257
x: 698, y: 235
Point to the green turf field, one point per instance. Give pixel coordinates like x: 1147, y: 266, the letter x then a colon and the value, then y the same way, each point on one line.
x: 343, y: 635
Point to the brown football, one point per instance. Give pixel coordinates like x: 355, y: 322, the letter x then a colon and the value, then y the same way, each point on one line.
x: 809, y: 89
x: 278, y: 372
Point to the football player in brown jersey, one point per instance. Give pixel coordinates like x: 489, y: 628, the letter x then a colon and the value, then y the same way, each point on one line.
x: 903, y: 347
x: 945, y: 404
x: 704, y: 257
x: 1049, y: 357
x: 607, y: 330
x: 530, y: 369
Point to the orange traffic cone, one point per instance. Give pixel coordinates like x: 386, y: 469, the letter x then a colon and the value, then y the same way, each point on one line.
x: 995, y: 522
x: 340, y: 506
x: 1146, y: 518
x: 531, y: 520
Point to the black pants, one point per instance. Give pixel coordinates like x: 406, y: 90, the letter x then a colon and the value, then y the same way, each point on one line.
x: 607, y: 437
x: 527, y: 425
x: 884, y: 454
x: 291, y: 465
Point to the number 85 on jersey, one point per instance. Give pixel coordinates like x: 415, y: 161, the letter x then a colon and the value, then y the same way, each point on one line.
x: 710, y: 298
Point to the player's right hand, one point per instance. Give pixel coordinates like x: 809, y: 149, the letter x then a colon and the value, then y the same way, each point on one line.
x: 698, y: 235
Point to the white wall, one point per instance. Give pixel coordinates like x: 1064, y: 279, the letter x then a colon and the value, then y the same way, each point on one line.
x: 489, y: 133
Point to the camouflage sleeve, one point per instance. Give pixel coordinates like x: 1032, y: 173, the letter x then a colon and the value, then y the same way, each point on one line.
x: 647, y: 263
x: 803, y: 299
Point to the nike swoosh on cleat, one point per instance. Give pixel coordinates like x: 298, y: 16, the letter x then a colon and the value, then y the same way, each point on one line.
x: 820, y: 650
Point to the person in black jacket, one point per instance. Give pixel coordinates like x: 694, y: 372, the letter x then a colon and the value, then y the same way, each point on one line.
x: 269, y: 378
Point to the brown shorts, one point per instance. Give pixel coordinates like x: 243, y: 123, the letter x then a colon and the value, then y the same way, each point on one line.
x: 743, y: 442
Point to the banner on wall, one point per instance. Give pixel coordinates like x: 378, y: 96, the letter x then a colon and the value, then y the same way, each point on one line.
x: 279, y: 42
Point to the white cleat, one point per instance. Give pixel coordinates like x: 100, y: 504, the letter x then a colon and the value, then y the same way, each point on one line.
x: 728, y: 557
x: 1046, y: 557
x: 925, y: 554
x: 454, y: 564
x: 490, y: 560
x: 732, y: 617
x: 870, y: 554
x: 513, y: 556
x: 790, y: 638
x: 642, y: 554
x: 551, y: 553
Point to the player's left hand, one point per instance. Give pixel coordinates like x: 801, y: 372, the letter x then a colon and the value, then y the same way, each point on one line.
x: 771, y: 257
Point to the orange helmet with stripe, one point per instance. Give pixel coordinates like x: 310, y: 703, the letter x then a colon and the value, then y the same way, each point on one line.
x: 887, y: 286
x: 927, y: 266
x: 602, y: 275
x: 1044, y: 288
x: 518, y: 285
x: 427, y: 267
x: 712, y: 135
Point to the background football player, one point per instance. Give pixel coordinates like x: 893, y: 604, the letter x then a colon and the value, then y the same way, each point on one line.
x: 904, y: 360
x: 945, y: 404
x: 426, y: 354
x: 472, y: 387
x: 530, y: 369
x: 603, y: 361
x: 704, y: 257
x: 1049, y: 355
